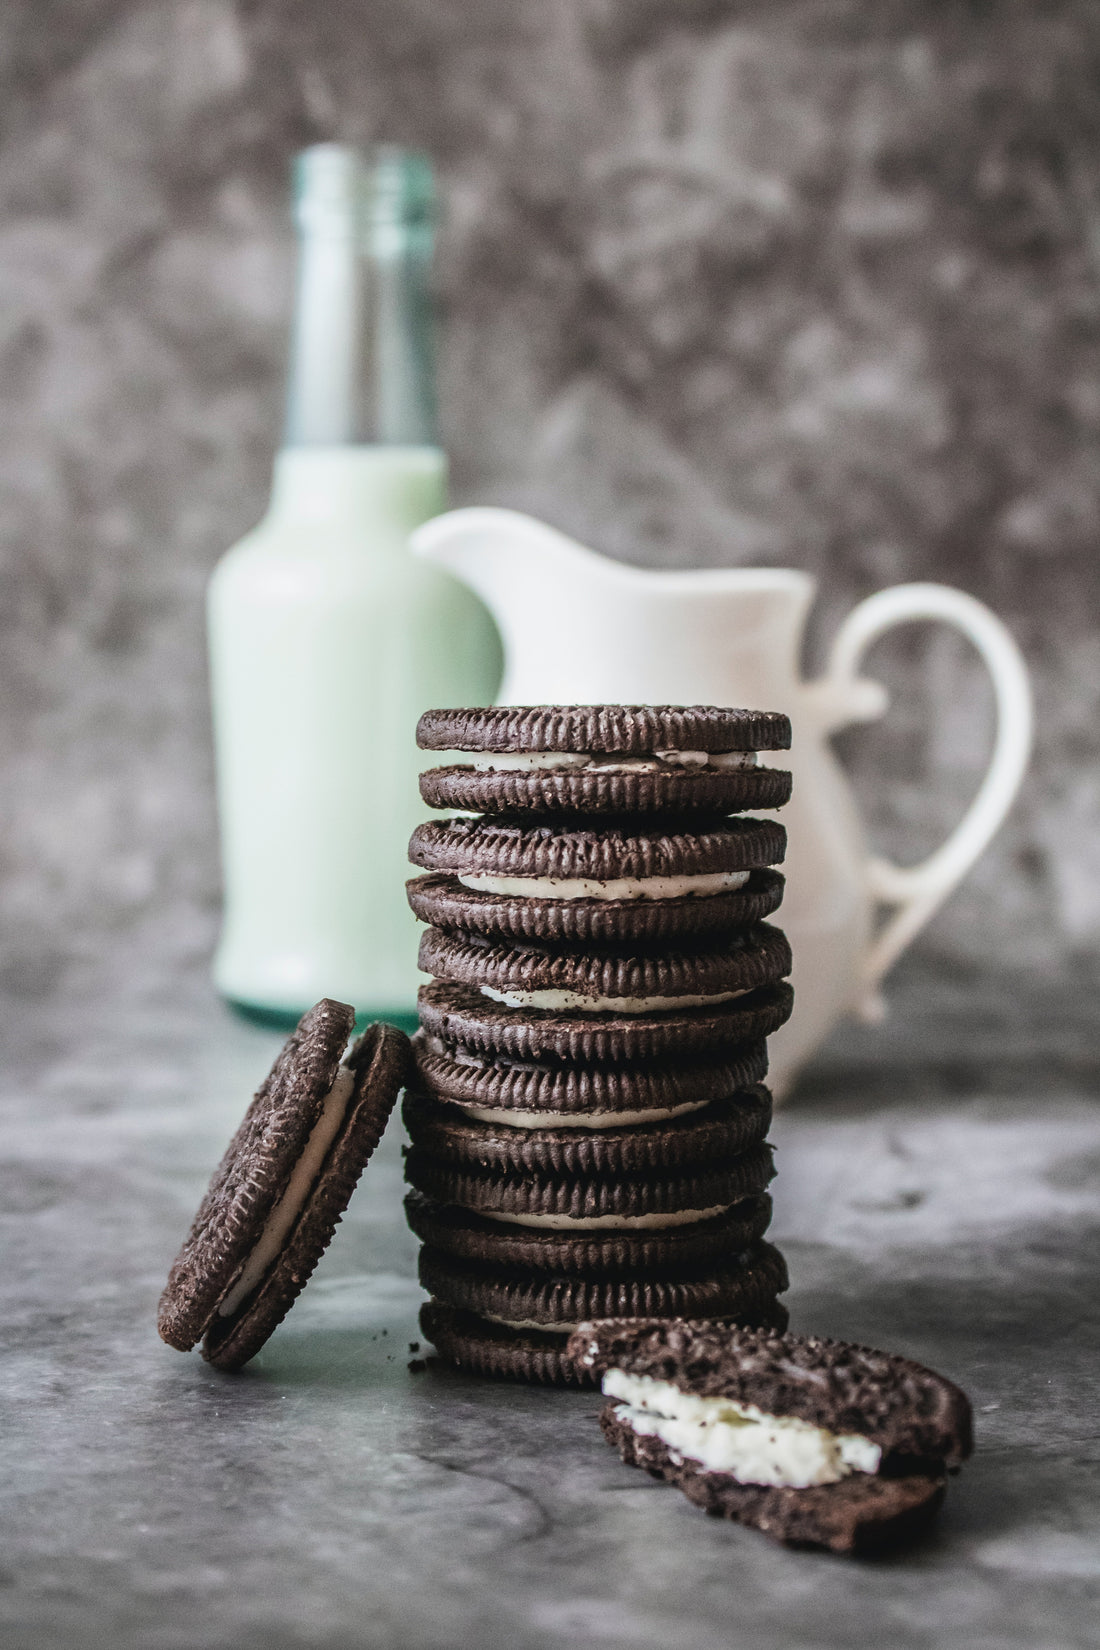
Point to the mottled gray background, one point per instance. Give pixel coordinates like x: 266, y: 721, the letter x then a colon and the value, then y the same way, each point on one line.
x: 808, y: 282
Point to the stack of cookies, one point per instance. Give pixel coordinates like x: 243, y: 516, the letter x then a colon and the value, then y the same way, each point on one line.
x: 588, y: 1120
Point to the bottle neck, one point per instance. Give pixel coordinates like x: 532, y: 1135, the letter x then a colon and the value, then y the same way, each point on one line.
x: 362, y: 368
x: 367, y: 489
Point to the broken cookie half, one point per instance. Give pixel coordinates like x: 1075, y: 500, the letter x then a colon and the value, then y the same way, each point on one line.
x: 818, y: 1443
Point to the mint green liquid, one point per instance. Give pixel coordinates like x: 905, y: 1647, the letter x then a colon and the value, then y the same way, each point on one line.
x: 327, y: 641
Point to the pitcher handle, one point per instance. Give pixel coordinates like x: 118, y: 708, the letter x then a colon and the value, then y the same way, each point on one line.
x: 915, y: 891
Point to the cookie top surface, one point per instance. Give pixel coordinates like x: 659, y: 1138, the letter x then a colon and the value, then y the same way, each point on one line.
x: 664, y: 1251
x: 636, y: 729
x: 899, y: 1405
x: 748, y: 1281
x: 443, y: 901
x: 710, y: 1133
x: 573, y: 1202
x: 609, y: 852
x: 457, y: 1013
x: 532, y: 976
x: 608, y: 784
x: 283, y: 1182
x: 451, y: 1072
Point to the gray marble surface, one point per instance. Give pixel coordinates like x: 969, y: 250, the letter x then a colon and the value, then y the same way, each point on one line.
x: 329, y: 1498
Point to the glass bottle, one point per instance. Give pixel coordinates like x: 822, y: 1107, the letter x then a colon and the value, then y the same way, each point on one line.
x: 327, y: 637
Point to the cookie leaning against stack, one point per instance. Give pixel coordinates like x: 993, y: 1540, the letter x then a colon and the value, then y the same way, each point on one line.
x: 588, y: 1123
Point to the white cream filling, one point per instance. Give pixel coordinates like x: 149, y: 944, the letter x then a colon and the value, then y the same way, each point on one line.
x: 529, y: 1323
x: 708, y: 759
x: 289, y: 1206
x: 697, y: 886
x: 562, y: 1000
x: 723, y: 1435
x: 606, y: 1223
x: 456, y: 1055
x: 605, y: 761
x: 579, y: 1119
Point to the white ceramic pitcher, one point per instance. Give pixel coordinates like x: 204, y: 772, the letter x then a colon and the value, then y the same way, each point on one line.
x: 581, y: 629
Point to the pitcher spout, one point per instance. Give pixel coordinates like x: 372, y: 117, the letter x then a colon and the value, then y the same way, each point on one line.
x: 579, y: 628
x: 496, y: 552
x: 543, y: 590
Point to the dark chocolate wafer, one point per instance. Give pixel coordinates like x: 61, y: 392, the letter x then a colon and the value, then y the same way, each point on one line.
x: 652, y: 786
x: 665, y: 1251
x: 461, y: 1014
x: 749, y: 958
x: 633, y: 729
x: 569, y: 851
x: 467, y: 1078
x: 747, y: 1283
x: 443, y: 901
x: 713, y: 1133
x: 593, y: 1201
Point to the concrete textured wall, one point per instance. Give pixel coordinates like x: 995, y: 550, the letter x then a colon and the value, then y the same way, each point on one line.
x: 802, y: 282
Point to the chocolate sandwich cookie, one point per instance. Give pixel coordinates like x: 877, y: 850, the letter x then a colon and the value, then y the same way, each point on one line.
x: 616, y: 888
x: 748, y: 1282
x: 617, y: 860
x: 597, y: 1096
x: 632, y: 730
x: 713, y: 1133
x: 594, y: 982
x: 593, y: 1202
x: 462, y: 1014
x: 605, y: 759
x: 445, y: 902
x: 663, y: 1251
x: 285, y: 1180
x: 610, y: 784
x: 816, y: 1442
